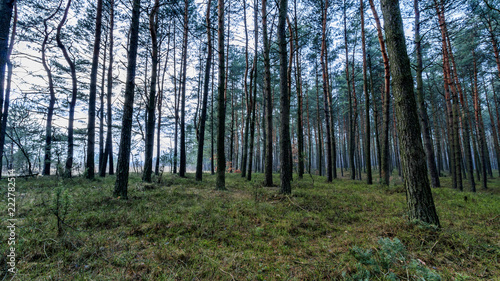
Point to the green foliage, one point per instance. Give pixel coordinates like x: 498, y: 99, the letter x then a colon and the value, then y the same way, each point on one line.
x: 61, y: 201
x: 389, y: 262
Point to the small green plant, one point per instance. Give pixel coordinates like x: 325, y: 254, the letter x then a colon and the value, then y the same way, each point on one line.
x: 389, y: 261
x: 60, y: 206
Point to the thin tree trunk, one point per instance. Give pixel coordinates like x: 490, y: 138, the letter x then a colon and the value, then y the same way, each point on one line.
x: 300, y: 125
x: 369, y: 179
x: 6, y: 8
x: 247, y: 99
x: 92, y: 94
x: 108, y: 150
x: 52, y: 101
x: 101, y: 107
x: 384, y: 164
x: 493, y: 131
x: 128, y: 110
x: 285, y: 175
x: 329, y: 169
x: 221, y: 107
x: 182, y: 164
x: 150, y: 121
x: 268, y: 172
x: 199, y: 162
x: 74, y: 91
x: 423, y: 117
x: 254, y: 99
x: 479, y: 125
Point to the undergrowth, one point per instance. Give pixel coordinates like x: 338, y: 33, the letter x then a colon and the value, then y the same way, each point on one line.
x: 180, y: 229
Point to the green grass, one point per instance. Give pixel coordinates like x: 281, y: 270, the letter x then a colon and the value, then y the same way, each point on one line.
x: 185, y: 230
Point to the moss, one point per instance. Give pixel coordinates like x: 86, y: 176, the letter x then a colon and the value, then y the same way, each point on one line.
x: 183, y: 229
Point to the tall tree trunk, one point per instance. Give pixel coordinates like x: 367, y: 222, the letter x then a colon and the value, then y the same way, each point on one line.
x: 182, y: 162
x: 300, y: 125
x: 254, y: 99
x: 212, y: 137
x: 199, y: 162
x: 52, y: 101
x: 368, y: 160
x: 128, y: 110
x: 74, y: 91
x: 108, y: 150
x: 351, y: 121
x: 479, y: 126
x: 284, y: 145
x: 493, y: 132
x: 423, y: 117
x: 329, y: 169
x: 176, y: 107
x: 375, y: 117
x: 221, y: 107
x: 384, y: 157
x: 160, y: 104
x: 247, y: 99
x: 268, y: 172
x: 6, y: 8
x: 90, y: 167
x: 319, y: 123
x: 101, y: 107
x: 150, y: 107
x: 418, y: 193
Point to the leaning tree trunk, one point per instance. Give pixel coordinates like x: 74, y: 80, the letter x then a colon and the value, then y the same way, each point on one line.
x: 384, y: 153
x: 74, y: 92
x: 208, y: 65
x: 52, y: 101
x: 90, y: 166
x: 128, y: 110
x: 418, y: 193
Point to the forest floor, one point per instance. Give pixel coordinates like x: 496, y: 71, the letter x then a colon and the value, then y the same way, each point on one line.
x: 181, y: 229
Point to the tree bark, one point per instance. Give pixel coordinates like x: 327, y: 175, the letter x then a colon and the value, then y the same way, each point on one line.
x: 90, y: 167
x: 329, y: 169
x: 369, y: 179
x: 221, y: 107
x: 150, y: 121
x: 268, y: 172
x: 418, y: 193
x: 108, y: 150
x: 199, y: 162
x: 6, y: 8
x: 52, y: 101
x: 479, y: 126
x: 284, y: 144
x: 74, y: 91
x: 254, y: 99
x: 182, y: 162
x: 128, y: 110
x: 384, y: 164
